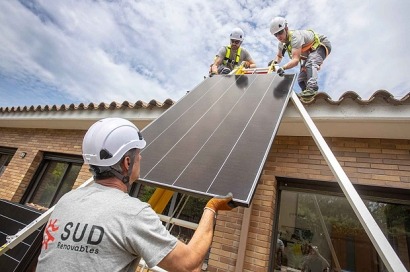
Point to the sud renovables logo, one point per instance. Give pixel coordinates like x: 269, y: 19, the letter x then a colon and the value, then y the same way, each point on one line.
x: 77, y: 237
x: 48, y: 236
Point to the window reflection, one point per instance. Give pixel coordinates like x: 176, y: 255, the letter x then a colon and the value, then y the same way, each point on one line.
x: 322, y: 233
x: 55, y: 177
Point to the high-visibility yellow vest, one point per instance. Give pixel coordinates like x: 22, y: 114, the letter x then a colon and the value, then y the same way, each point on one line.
x: 228, y: 54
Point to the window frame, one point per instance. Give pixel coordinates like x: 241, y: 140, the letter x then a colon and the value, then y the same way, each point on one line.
x: 377, y: 193
x: 370, y: 192
x: 42, y: 170
x: 6, y: 151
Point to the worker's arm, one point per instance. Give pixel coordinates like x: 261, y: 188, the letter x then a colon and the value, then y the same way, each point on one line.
x: 296, y: 52
x: 191, y: 256
x: 250, y: 64
x: 214, y: 67
x: 279, y: 57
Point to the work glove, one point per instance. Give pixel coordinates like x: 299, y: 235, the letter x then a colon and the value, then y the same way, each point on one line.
x: 270, y: 63
x: 221, y: 203
x: 280, y: 71
x: 247, y: 64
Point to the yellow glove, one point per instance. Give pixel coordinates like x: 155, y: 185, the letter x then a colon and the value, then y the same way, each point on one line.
x: 221, y: 203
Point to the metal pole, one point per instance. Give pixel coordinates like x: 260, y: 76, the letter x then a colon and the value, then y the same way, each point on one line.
x: 379, y: 241
x: 327, y: 236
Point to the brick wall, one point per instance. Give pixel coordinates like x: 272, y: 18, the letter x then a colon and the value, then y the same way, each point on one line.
x: 377, y: 162
x: 20, y: 171
x: 366, y: 161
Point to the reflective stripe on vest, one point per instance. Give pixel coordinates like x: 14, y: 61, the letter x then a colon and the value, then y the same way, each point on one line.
x: 228, y: 54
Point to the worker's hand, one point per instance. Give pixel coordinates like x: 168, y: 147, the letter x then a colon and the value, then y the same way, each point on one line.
x: 247, y: 64
x: 211, y: 74
x: 221, y: 203
x: 280, y: 71
x: 270, y: 63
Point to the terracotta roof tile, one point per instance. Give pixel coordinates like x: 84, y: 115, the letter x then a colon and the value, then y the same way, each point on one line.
x: 350, y: 95
x: 91, y: 106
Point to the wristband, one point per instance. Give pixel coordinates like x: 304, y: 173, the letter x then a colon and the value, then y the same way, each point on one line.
x: 212, y: 210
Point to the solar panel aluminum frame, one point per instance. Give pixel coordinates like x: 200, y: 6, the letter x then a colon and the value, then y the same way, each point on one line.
x: 216, y: 139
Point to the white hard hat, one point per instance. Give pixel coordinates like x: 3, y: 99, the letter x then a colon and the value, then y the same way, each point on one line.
x: 107, y: 140
x: 277, y: 24
x: 237, y: 34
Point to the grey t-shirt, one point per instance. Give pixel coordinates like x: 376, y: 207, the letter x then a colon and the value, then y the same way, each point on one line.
x: 245, y: 56
x: 302, y: 37
x: 98, y: 228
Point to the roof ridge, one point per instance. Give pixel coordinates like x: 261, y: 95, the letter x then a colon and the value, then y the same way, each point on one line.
x: 377, y: 95
x: 91, y: 106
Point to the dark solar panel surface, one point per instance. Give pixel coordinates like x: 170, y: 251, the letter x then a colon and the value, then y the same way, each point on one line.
x: 14, y: 217
x: 215, y: 139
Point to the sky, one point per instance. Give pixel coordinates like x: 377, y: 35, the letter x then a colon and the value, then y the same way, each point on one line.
x: 72, y: 52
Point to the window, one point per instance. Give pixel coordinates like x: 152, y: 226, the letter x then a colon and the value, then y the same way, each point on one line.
x: 5, y: 157
x: 320, y: 230
x: 55, y: 177
x: 181, y: 206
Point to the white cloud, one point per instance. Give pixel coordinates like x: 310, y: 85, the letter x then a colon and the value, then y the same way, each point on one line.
x: 95, y: 51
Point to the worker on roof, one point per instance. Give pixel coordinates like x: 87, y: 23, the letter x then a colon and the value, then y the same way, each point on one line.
x: 306, y: 47
x: 231, y: 56
x: 102, y: 228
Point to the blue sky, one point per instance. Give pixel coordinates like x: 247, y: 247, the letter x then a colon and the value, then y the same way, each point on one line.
x: 63, y: 52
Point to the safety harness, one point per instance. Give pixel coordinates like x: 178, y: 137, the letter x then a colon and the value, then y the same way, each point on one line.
x: 305, y: 48
x: 227, y: 58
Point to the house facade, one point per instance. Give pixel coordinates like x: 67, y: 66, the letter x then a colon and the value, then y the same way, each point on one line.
x: 297, y: 200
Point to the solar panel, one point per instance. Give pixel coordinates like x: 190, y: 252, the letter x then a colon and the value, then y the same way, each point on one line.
x: 14, y: 217
x: 216, y: 139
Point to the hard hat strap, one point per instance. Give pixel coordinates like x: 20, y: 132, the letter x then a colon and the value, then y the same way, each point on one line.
x: 120, y: 176
x: 124, y: 178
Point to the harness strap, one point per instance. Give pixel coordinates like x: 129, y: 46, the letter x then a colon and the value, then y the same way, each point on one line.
x: 313, y: 45
x: 227, y: 58
x: 326, y: 49
x: 125, y: 178
x: 307, y: 47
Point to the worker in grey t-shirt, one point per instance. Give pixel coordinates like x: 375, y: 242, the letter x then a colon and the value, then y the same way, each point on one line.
x: 102, y: 228
x: 231, y: 56
x: 303, y: 46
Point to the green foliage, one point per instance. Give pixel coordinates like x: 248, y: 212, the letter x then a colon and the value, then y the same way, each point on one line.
x: 146, y: 192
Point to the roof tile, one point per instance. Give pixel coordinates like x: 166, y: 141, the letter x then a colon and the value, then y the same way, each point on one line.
x: 380, y: 94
